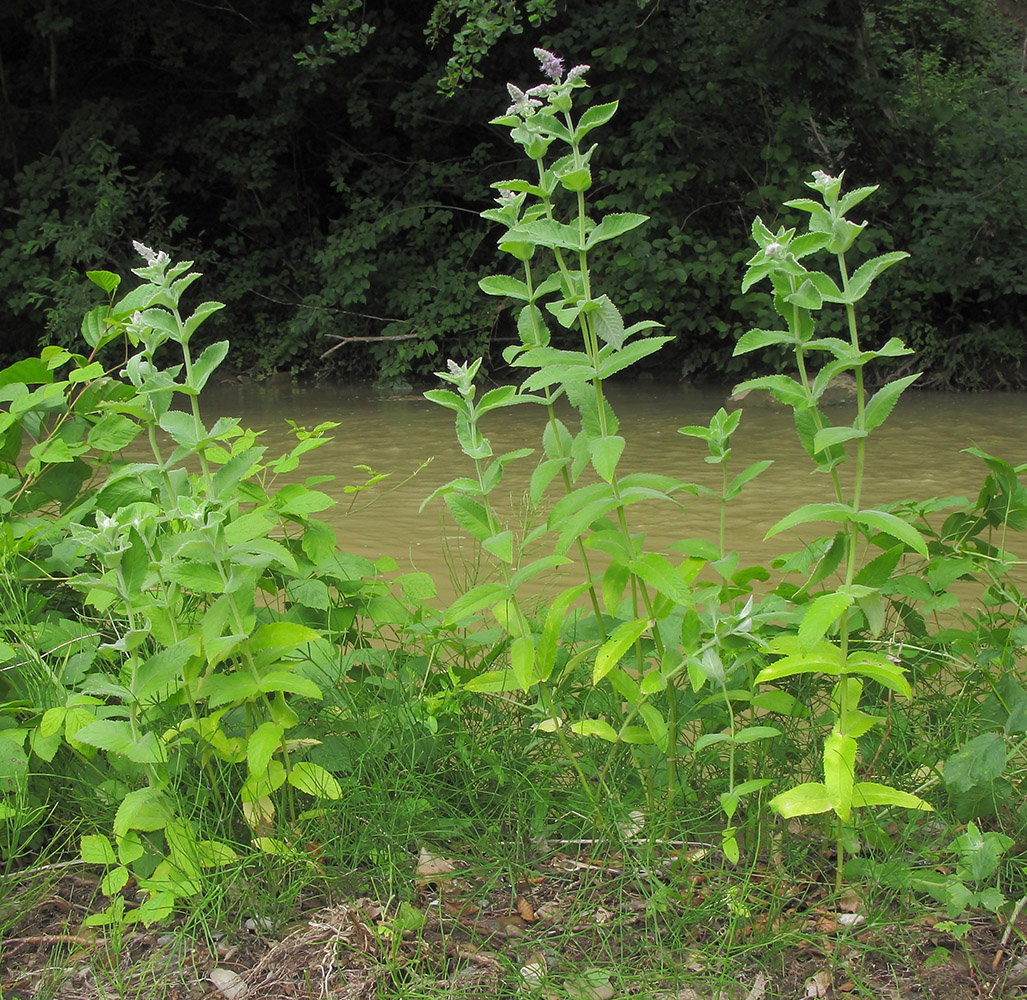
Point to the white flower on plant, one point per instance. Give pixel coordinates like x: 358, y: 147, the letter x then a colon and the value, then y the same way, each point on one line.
x: 822, y: 179
x: 523, y: 103
x: 773, y: 250
x: 577, y: 72
x: 153, y: 258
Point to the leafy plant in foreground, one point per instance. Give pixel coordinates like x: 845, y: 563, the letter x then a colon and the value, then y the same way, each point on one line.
x: 822, y: 643
x: 187, y: 593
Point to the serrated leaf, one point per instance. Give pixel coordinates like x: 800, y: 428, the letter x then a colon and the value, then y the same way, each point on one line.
x: 756, y: 339
x: 613, y: 225
x: 882, y: 401
x: 831, y: 436
x: 505, y: 285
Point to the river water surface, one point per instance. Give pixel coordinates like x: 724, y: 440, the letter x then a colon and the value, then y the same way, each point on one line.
x: 916, y: 454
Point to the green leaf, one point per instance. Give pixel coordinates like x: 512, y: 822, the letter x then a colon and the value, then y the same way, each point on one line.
x: 593, y: 117
x: 893, y: 526
x: 505, y: 285
x: 882, y: 401
x: 314, y: 780
x: 143, y: 809
x: 802, y: 800
x: 493, y: 682
x: 469, y: 514
x: 877, y: 667
x: 784, y: 389
x: 975, y: 766
x: 107, y: 280
x: 206, y: 364
x: 112, y: 432
x: 811, y: 512
x: 839, y: 772
x: 870, y: 793
x: 605, y: 452
x: 614, y: 225
x: 830, y: 436
x: 594, y: 727
x: 607, y: 322
x: 473, y: 601
x: 549, y: 640
x: 864, y: 275
x: 755, y: 340
x: 821, y: 614
x: 262, y: 746
x: 622, y: 639
x: 500, y: 545
x: 115, y: 736
x: 97, y: 850
x: 522, y: 661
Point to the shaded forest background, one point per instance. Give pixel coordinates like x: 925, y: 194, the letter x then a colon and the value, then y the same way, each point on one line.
x: 306, y: 159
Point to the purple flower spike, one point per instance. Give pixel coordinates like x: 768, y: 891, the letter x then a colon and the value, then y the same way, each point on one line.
x: 552, y: 66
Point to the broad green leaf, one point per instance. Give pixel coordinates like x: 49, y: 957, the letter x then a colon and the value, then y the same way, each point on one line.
x: 594, y: 727
x: 820, y: 615
x: 893, y: 526
x: 628, y: 355
x: 811, y: 512
x: 864, y: 275
x: 802, y: 800
x: 505, y: 285
x: 262, y: 746
x: 622, y: 639
x: 975, y: 766
x: 607, y: 322
x: 656, y: 725
x: 106, y: 280
x: 613, y: 225
x: 96, y: 849
x: 493, y: 682
x: 207, y: 363
x: 314, y: 780
x: 870, y: 793
x: 473, y: 601
x: 112, y: 432
x: 752, y: 734
x: 789, y: 666
x: 500, y: 545
x: 878, y: 667
x: 469, y: 514
x: 605, y: 453
x: 549, y: 640
x: 143, y: 809
x: 784, y: 389
x: 593, y: 117
x: 115, y: 736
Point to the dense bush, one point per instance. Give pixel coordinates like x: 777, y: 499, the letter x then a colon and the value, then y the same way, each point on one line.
x: 344, y: 188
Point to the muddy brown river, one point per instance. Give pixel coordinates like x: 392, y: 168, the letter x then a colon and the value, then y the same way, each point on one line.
x: 915, y: 454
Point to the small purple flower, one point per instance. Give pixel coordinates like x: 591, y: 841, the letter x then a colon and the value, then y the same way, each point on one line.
x: 552, y: 66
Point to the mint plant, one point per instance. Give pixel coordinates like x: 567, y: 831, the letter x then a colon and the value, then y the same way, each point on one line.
x: 822, y: 643
x: 200, y: 582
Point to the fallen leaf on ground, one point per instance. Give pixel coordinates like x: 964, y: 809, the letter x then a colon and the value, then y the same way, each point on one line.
x: 818, y: 985
x: 592, y: 984
x: 229, y: 984
x: 431, y: 868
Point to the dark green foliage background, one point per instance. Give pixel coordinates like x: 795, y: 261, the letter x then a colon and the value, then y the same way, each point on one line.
x: 338, y: 196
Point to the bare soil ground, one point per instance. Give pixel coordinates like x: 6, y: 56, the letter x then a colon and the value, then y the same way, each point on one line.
x: 573, y: 927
